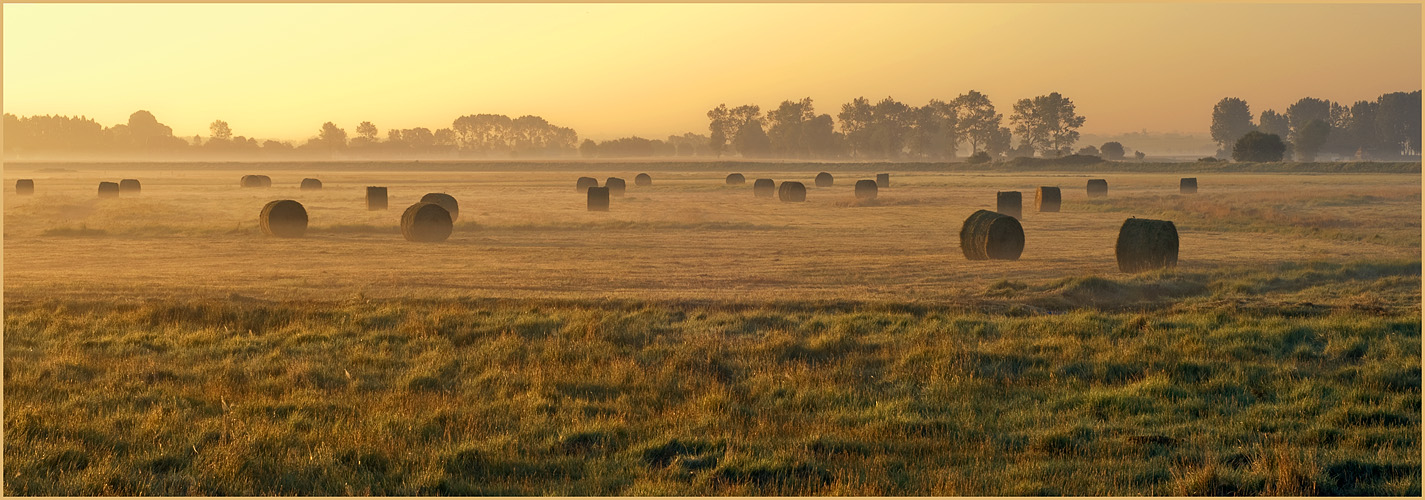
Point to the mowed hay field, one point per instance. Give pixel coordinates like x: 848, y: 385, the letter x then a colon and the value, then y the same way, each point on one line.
x: 695, y: 340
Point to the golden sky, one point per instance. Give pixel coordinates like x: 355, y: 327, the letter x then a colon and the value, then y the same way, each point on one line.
x: 611, y: 70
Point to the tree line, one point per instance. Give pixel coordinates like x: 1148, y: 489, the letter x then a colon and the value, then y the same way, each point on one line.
x: 480, y: 135
x: 1386, y: 128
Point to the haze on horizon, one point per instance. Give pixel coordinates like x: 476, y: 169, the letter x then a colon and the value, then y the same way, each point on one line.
x: 280, y: 71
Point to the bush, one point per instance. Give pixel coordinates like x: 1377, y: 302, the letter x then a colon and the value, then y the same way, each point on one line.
x: 1258, y: 146
x: 980, y: 157
x: 1112, y: 150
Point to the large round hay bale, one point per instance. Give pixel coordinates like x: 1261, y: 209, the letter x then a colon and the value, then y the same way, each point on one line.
x: 643, y: 180
x: 792, y: 191
x: 108, y: 190
x: 1010, y: 203
x: 445, y: 201
x: 736, y: 180
x: 599, y: 199
x: 866, y: 189
x: 883, y: 180
x: 426, y: 222
x: 375, y: 198
x: 1098, y: 188
x: 130, y: 186
x: 616, y: 186
x: 283, y: 219
x: 584, y: 183
x: 824, y: 180
x: 1047, y: 199
x: 991, y: 235
x: 256, y: 181
x: 763, y: 188
x: 25, y: 187
x: 1188, y: 185
x: 310, y: 184
x: 1146, y: 244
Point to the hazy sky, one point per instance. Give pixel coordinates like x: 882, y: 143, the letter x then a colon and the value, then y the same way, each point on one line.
x: 280, y: 71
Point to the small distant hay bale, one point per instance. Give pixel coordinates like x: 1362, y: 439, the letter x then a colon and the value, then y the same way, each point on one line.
x: 883, y: 180
x: 824, y: 180
x: 643, y: 180
x: 283, y: 219
x: 991, y: 235
x: 1146, y: 244
x: 1047, y: 199
x: 375, y: 198
x: 130, y: 186
x: 792, y: 191
x: 1010, y: 203
x: 108, y: 190
x: 584, y: 183
x: 25, y: 187
x: 426, y: 223
x: 616, y: 186
x: 866, y: 189
x: 736, y: 180
x: 445, y: 201
x: 1188, y: 185
x: 256, y: 181
x: 599, y: 199
x: 764, y: 188
x: 1098, y: 188
x: 310, y: 184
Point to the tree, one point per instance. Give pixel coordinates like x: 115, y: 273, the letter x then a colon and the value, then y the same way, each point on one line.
x: 219, y: 130
x: 976, y: 120
x: 1258, y: 146
x: 1112, y: 150
x: 588, y: 148
x: 999, y: 143
x: 1362, y: 128
x: 856, y: 121
x: 1398, y: 121
x: 1272, y: 122
x: 751, y: 141
x: 1089, y: 151
x: 367, y: 131
x: 1047, y: 123
x: 933, y: 130
x: 1304, y: 111
x: 1231, y: 119
x: 332, y: 136
x: 1310, y: 139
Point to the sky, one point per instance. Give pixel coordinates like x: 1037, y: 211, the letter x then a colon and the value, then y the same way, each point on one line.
x: 276, y: 71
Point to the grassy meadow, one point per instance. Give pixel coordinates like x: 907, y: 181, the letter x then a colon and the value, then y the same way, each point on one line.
x: 697, y: 341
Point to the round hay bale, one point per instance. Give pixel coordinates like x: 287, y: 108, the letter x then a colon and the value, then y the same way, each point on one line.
x: 426, y: 223
x: 792, y: 191
x: 309, y: 184
x: 130, y: 186
x: 599, y: 199
x: 642, y: 180
x: 1098, y: 188
x: 283, y: 219
x: 1010, y: 203
x: 1047, y: 199
x: 991, y: 235
x: 25, y: 187
x: 256, y: 181
x: 736, y: 180
x: 616, y: 186
x: 824, y: 180
x: 584, y: 183
x: 866, y: 189
x: 445, y: 201
x: 883, y: 180
x: 1188, y: 185
x: 375, y: 198
x: 1146, y: 244
x: 763, y: 188
x: 108, y: 190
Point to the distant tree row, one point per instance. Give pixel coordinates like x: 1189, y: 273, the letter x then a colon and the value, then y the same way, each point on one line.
x: 1386, y: 128
x: 889, y: 129
x: 483, y: 135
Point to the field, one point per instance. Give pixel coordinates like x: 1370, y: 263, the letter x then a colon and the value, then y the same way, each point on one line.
x: 698, y: 341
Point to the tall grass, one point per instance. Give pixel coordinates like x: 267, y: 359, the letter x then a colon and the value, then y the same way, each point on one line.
x: 416, y: 397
